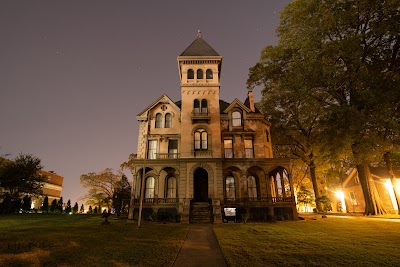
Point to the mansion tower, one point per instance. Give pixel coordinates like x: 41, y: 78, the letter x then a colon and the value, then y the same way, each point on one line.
x: 202, y: 159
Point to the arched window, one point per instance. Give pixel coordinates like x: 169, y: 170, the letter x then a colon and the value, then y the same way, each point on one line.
x: 196, y: 106
x: 149, y: 189
x: 200, y: 74
x: 209, y: 74
x: 230, y: 191
x: 236, y: 118
x: 190, y: 74
x: 200, y: 139
x: 252, y: 186
x: 171, y: 187
x: 168, y: 120
x: 278, y: 185
x: 158, y: 120
x: 204, y: 106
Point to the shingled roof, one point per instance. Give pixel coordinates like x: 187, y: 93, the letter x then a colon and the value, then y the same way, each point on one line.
x: 199, y: 47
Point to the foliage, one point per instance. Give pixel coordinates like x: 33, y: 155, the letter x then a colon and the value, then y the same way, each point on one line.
x: 45, y: 205
x: 82, y: 210
x: 26, y: 203
x: 325, y: 201
x: 21, y: 176
x: 53, y: 207
x: 60, y: 205
x: 122, y: 191
x: 342, y: 57
x: 76, y: 208
x: 101, y: 187
x: 304, y: 196
x: 90, y: 210
x: 68, y: 208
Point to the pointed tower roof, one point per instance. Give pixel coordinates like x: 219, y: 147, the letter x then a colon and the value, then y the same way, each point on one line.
x: 199, y: 47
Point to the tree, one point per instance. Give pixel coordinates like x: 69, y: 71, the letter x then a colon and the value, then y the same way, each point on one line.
x: 82, y: 210
x: 45, y: 205
x: 345, y: 54
x: 101, y: 186
x: 76, y: 208
x: 95, y: 210
x: 68, y: 208
x: 21, y: 176
x: 53, y: 207
x: 90, y: 210
x: 122, y: 191
x: 60, y: 205
x: 26, y: 203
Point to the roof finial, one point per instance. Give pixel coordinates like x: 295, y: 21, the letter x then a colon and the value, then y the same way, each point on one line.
x: 199, y: 35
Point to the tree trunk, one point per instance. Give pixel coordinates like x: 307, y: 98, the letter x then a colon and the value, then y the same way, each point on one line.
x: 393, y: 179
x: 315, y: 186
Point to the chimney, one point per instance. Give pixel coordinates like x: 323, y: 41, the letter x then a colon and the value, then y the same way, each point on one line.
x: 250, y: 95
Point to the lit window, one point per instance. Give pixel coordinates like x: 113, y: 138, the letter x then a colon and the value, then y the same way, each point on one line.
x: 200, y: 140
x: 152, y: 150
x: 149, y: 189
x: 190, y: 74
x: 158, y: 120
x: 252, y: 186
x: 171, y: 187
x: 248, y: 148
x: 172, y: 148
x: 230, y: 187
x: 200, y: 74
x: 353, y: 198
x: 236, y: 118
x: 209, y: 74
x: 168, y: 120
x: 228, y: 148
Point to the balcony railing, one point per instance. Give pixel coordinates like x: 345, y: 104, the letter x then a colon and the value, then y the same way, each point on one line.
x: 167, y: 155
x: 156, y: 200
x: 200, y: 116
x: 287, y: 199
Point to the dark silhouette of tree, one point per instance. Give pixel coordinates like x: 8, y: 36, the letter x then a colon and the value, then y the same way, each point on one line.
x: 122, y: 191
x: 76, y: 208
x: 53, y: 206
x: 95, y: 210
x: 45, y: 205
x: 26, y: 203
x: 68, y: 207
x: 90, y: 210
x: 82, y: 210
x: 60, y: 205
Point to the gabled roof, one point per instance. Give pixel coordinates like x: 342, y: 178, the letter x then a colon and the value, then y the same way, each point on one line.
x: 199, y: 47
x: 234, y: 103
x: 163, y: 98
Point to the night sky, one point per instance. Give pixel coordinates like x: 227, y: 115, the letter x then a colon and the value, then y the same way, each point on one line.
x: 74, y: 74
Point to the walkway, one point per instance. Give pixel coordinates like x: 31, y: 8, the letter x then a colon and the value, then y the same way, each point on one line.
x: 200, y: 248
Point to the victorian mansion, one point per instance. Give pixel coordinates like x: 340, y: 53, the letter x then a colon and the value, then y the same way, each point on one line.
x: 207, y: 160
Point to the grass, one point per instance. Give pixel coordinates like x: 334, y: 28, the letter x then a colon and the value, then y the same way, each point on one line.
x: 323, y: 242
x: 81, y: 240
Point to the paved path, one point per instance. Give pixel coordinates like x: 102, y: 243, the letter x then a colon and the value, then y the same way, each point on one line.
x: 200, y: 248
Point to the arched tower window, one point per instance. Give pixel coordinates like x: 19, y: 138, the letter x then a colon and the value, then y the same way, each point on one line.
x: 190, y: 74
x: 171, y: 187
x: 236, y: 118
x: 204, y: 106
x: 149, y: 189
x: 209, y: 74
x: 158, y: 120
x: 252, y: 186
x: 200, y: 74
x: 200, y: 139
x: 168, y: 120
x: 230, y: 191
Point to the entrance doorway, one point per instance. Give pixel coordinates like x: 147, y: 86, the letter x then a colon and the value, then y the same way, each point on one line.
x: 200, y: 185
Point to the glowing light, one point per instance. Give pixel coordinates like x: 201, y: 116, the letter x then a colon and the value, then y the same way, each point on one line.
x: 389, y: 188
x: 340, y: 196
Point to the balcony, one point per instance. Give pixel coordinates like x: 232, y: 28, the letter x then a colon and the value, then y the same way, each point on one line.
x: 200, y: 116
x: 167, y: 155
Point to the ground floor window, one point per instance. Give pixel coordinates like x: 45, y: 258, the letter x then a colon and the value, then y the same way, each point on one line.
x: 171, y: 187
x: 230, y: 187
x: 149, y: 189
x: 252, y: 186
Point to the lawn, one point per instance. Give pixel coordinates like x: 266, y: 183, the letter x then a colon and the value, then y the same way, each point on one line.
x: 323, y: 242
x: 81, y: 240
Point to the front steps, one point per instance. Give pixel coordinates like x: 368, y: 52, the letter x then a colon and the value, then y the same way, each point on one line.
x: 201, y: 212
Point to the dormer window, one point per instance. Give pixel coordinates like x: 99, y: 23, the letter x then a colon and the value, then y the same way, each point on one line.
x: 236, y: 119
x: 190, y: 74
x: 209, y: 74
x: 200, y: 74
x: 158, y: 120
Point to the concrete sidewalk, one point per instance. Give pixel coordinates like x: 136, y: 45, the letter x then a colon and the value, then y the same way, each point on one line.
x: 200, y: 248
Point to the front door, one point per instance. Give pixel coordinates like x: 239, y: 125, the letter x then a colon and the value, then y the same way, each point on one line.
x: 200, y: 185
